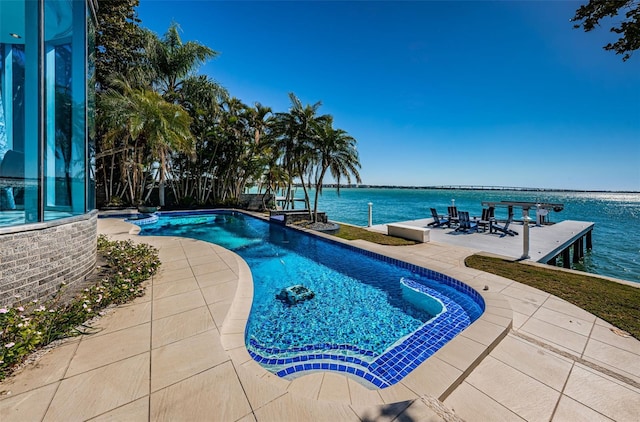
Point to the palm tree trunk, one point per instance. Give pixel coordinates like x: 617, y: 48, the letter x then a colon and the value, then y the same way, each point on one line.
x: 317, y: 193
x: 306, y: 193
x: 161, y: 181
x: 161, y: 193
x: 113, y: 160
x: 131, y: 189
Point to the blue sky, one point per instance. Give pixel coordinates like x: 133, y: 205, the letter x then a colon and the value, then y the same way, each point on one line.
x: 501, y: 93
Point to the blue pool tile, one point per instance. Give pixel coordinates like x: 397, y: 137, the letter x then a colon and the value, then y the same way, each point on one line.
x: 391, y: 366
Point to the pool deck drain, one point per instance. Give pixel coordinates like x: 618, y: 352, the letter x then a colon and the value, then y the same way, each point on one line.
x: 178, y: 354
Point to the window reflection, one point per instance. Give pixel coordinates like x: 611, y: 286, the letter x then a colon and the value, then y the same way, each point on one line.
x: 64, y: 164
x: 15, y: 57
x: 91, y: 112
x: 42, y: 126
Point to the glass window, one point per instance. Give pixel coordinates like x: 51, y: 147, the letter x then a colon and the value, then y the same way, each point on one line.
x: 43, y: 111
x: 19, y: 153
x: 65, y: 84
x: 91, y: 112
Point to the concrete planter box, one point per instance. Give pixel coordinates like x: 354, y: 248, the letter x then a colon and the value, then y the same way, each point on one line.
x: 419, y: 234
x: 294, y: 216
x: 144, y: 209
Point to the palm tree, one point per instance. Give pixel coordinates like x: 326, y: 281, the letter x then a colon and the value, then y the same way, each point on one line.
x: 151, y: 128
x: 336, y: 152
x: 258, y: 120
x: 259, y: 150
x: 171, y: 61
x: 283, y: 140
x: 237, y: 142
x: 296, y: 133
x: 194, y: 179
x: 166, y: 71
x: 170, y: 64
x: 276, y: 178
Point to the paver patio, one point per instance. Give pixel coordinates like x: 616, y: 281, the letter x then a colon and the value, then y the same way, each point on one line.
x: 178, y: 354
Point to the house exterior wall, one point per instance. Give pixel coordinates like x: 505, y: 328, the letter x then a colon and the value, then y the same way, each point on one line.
x: 35, y: 262
x: 47, y: 193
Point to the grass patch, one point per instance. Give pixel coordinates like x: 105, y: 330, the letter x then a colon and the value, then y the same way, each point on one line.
x: 616, y: 303
x: 353, y: 233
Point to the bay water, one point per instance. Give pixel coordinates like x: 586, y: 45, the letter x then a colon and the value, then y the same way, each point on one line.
x: 616, y: 234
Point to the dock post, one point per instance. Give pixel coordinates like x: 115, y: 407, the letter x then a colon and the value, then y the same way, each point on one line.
x: 552, y: 261
x: 589, y: 241
x: 525, y: 234
x: 566, y: 258
x: 581, y: 247
x: 576, y: 251
x: 370, y: 214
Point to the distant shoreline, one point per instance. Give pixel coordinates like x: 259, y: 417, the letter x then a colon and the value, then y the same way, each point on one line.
x: 471, y: 187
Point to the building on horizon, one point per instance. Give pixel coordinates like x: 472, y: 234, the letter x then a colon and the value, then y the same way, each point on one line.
x: 48, y: 221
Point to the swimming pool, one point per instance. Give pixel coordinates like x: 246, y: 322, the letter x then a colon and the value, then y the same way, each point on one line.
x: 371, y: 316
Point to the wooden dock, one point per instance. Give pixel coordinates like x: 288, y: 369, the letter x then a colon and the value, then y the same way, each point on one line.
x: 567, y: 239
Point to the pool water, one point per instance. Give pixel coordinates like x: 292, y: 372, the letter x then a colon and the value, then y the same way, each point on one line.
x: 369, y: 316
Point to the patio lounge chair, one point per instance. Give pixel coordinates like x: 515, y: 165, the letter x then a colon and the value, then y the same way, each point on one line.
x: 504, y: 229
x: 466, y: 224
x: 487, y: 219
x: 453, y: 215
x: 438, y: 221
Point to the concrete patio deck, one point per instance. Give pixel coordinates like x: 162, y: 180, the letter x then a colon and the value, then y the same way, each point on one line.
x: 545, y: 241
x: 178, y: 354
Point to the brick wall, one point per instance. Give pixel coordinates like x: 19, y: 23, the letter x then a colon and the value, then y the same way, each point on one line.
x: 35, y: 261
